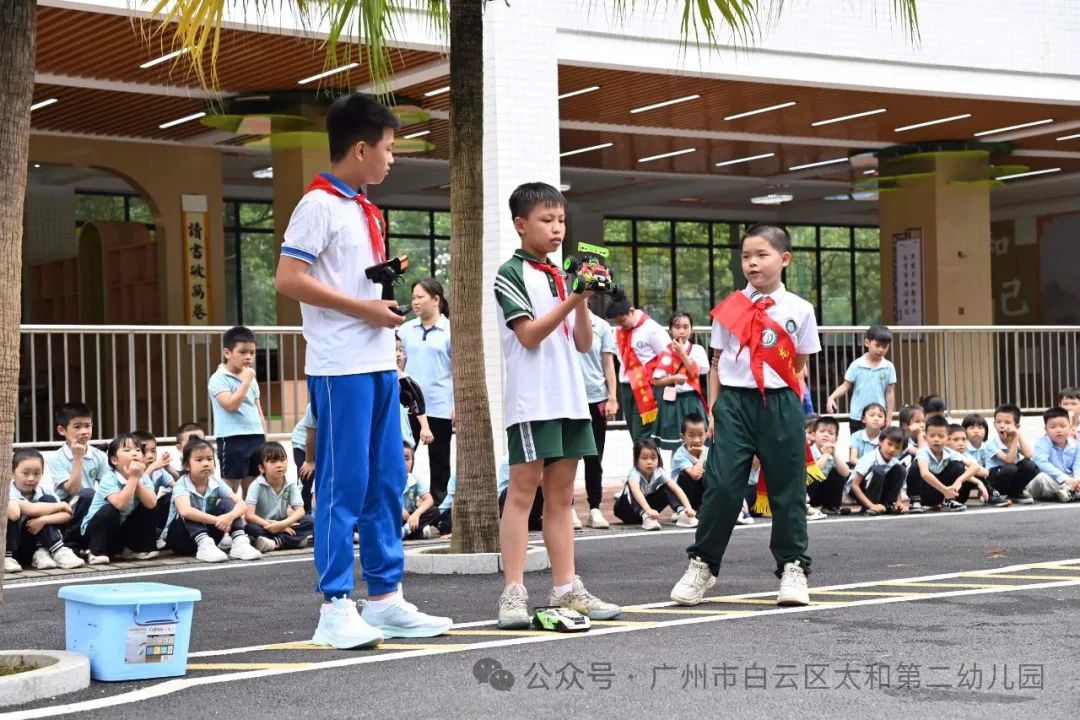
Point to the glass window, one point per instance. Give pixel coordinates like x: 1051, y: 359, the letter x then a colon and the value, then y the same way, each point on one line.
x: 139, y: 211
x: 835, y: 237
x: 691, y: 233
x: 654, y: 231
x: 867, y: 238
x: 803, y: 236
x: 442, y: 223
x: 442, y: 262
x: 617, y: 231
x: 727, y: 272
x: 867, y: 287
x: 801, y: 276
x: 232, y: 292
x: 725, y: 234
x: 621, y: 263
x: 256, y: 215
x: 694, y: 295
x: 409, y: 222
x: 91, y: 207
x: 419, y: 252
x: 654, y: 281
x: 257, y: 261
x: 836, y: 300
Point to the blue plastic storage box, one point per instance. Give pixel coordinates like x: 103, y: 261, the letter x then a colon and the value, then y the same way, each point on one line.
x: 130, y: 631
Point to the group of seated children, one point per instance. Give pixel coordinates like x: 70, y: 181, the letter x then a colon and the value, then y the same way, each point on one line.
x: 130, y: 502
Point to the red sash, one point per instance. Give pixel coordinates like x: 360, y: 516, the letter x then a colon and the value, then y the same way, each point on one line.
x: 640, y: 375
x: 376, y: 222
x: 560, y: 285
x: 672, y: 365
x: 768, y: 342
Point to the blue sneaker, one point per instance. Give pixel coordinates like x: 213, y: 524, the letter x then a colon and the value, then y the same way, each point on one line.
x: 403, y: 620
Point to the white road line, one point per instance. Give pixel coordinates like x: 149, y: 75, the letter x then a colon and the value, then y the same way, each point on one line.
x: 172, y: 686
x: 669, y: 603
x: 12, y: 585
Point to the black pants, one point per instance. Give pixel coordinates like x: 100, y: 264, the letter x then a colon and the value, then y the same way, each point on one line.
x: 627, y: 509
x: 183, y: 536
x: 694, y: 489
x: 594, y: 469
x: 22, y: 545
x: 80, y: 505
x: 161, y: 510
x: 917, y: 488
x: 884, y: 489
x: 855, y: 426
x: 442, y: 429
x: 429, y: 517
x: 108, y: 533
x: 828, y: 493
x: 1012, y: 479
x: 299, y: 456
x: 305, y: 528
x: 446, y: 521
x: 536, y: 514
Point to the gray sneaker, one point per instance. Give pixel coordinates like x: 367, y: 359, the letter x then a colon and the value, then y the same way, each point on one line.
x: 1024, y: 498
x: 514, y: 608
x: 585, y: 602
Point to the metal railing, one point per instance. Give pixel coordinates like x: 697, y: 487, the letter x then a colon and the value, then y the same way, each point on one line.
x: 154, y: 377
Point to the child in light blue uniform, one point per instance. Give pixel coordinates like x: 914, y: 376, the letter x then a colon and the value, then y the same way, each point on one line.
x: 275, y: 517
x: 872, y: 377
x: 303, y: 437
x: 121, y: 514
x: 74, y: 470
x: 446, y: 507
x: 239, y: 426
x: 419, y: 515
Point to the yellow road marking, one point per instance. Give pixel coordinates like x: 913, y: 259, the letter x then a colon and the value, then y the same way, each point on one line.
x: 1019, y: 577
x: 628, y: 623
x: 492, y: 631
x: 685, y: 611
x: 419, y: 646
x: 1054, y: 566
x: 901, y: 583
x: 248, y: 666
x: 867, y: 593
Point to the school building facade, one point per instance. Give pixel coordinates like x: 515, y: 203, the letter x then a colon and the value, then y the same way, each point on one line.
x: 927, y: 183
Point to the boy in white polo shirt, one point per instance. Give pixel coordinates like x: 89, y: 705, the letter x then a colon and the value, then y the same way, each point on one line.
x: 640, y: 342
x: 548, y: 428
x: 334, y: 235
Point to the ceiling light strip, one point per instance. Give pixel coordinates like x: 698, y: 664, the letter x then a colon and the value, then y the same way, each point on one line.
x: 745, y: 159
x: 328, y: 73
x: 821, y: 163
x: 582, y: 91
x: 748, y: 113
x: 43, y: 103
x: 661, y: 156
x: 1021, y: 126
x: 844, y: 118
x: 164, y: 58
x: 666, y: 103
x: 437, y: 91
x: 1028, y: 174
x: 928, y: 123
x: 601, y: 146
x: 179, y: 121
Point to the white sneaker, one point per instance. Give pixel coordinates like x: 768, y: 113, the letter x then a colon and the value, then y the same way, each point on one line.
x: 92, y: 559
x: 226, y: 543
x: 66, y: 559
x: 793, y: 590
x: 42, y: 560
x: 430, y: 532
x: 403, y: 620
x: 575, y: 519
x: 340, y: 626
x: 584, y: 602
x: 597, y: 519
x: 264, y: 544
x: 242, y: 550
x: 514, y: 608
x: 11, y: 566
x: 648, y: 523
x: 690, y: 590
x: 356, y: 538
x: 207, y: 551
x: 129, y: 554
x: 683, y: 521
x: 813, y: 513
x: 160, y: 543
x: 745, y: 518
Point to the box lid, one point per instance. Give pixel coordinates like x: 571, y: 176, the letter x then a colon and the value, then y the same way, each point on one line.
x: 136, y: 593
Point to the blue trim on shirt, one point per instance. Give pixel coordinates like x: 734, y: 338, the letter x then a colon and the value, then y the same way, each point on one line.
x: 340, y: 185
x: 298, y: 254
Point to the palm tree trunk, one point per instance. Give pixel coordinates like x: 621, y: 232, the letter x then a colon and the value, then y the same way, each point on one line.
x: 17, y: 22
x: 476, y: 511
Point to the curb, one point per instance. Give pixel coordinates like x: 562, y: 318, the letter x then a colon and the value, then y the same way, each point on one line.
x: 57, y: 673
x: 437, y: 561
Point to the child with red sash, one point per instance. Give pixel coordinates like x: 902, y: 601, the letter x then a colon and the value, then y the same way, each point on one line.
x: 762, y: 336
x: 640, y: 341
x: 677, y: 380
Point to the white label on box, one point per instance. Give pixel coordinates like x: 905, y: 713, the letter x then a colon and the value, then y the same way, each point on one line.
x: 150, y: 644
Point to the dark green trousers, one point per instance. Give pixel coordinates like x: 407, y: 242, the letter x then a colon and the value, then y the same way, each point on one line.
x: 633, y: 417
x: 746, y: 425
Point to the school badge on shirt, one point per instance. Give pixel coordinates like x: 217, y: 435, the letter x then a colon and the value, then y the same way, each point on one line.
x: 791, y: 327
x: 768, y: 338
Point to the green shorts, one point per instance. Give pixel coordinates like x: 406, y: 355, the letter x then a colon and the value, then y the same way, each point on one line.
x: 551, y: 440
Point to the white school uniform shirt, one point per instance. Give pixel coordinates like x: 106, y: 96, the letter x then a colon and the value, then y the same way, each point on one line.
x: 330, y: 233
x: 700, y: 358
x: 647, y: 341
x: 790, y: 312
x: 545, y: 382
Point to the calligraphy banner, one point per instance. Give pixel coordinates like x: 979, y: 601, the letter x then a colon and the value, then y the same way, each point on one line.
x: 907, y: 277
x: 196, y: 285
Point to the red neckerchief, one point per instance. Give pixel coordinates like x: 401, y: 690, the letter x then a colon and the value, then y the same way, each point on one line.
x: 640, y: 375
x: 749, y: 321
x: 376, y: 222
x: 671, y: 364
x: 560, y: 285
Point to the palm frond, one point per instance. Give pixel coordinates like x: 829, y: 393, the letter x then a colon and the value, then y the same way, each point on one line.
x: 196, y: 24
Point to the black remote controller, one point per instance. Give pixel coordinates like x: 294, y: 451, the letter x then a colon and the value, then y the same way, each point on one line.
x: 401, y: 310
